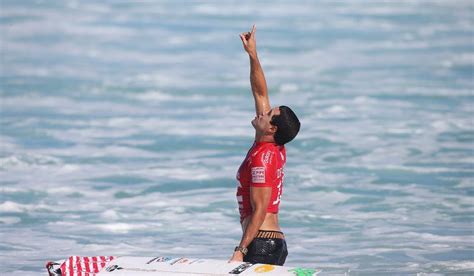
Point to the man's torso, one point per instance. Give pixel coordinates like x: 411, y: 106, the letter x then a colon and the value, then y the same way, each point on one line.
x: 262, y: 167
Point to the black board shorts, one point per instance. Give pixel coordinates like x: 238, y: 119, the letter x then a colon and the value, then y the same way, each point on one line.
x: 266, y: 248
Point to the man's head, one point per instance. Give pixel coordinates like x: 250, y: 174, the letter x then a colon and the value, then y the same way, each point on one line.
x: 280, y: 122
x: 287, y: 125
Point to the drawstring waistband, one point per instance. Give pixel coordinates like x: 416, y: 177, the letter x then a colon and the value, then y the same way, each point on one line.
x: 267, y: 234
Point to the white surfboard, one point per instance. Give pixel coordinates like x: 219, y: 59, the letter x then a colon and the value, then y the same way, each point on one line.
x: 147, y: 266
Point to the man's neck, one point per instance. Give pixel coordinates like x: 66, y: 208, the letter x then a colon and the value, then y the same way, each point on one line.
x: 264, y: 138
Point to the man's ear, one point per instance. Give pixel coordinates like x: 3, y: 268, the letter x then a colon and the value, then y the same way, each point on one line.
x: 272, y: 129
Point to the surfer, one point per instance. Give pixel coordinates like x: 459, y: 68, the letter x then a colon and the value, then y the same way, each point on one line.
x: 260, y: 176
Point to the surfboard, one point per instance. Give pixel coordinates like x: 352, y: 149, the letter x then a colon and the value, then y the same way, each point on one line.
x: 147, y: 266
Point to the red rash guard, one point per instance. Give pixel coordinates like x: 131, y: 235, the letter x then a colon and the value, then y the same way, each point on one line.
x: 262, y: 167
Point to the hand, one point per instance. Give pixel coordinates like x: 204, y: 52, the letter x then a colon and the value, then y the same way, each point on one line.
x: 237, y: 257
x: 248, y: 40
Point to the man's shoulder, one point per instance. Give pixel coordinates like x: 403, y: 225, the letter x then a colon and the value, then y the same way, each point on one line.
x: 271, y: 147
x: 265, y: 155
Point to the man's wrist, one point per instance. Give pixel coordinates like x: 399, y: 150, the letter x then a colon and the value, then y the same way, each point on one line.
x: 252, y: 55
x: 241, y: 249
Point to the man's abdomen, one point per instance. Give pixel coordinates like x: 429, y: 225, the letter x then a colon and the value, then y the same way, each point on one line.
x: 270, y: 222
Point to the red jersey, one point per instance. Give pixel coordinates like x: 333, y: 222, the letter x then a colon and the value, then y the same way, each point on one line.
x: 262, y: 167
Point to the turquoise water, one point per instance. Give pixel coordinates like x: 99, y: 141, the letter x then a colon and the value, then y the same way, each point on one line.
x: 123, y: 124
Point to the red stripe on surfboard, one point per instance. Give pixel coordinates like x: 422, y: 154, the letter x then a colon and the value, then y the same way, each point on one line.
x: 102, y: 261
x: 94, y: 263
x: 71, y: 265
x: 78, y: 266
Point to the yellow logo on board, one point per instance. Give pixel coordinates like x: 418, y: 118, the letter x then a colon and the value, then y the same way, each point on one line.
x: 264, y: 268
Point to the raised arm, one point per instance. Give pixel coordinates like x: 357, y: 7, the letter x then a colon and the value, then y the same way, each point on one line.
x: 257, y: 78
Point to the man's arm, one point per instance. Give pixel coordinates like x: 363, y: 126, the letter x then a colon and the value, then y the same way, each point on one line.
x: 259, y: 197
x: 257, y: 78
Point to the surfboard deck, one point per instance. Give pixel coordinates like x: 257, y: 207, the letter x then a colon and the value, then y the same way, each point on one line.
x: 147, y: 266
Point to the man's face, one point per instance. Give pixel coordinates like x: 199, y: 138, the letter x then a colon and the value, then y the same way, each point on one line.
x: 261, y: 123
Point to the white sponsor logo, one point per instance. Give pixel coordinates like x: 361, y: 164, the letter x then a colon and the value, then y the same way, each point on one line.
x: 258, y: 175
x: 267, y: 157
x: 279, y: 194
x: 279, y: 172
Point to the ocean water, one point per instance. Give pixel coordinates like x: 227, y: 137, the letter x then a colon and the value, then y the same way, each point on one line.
x: 123, y: 124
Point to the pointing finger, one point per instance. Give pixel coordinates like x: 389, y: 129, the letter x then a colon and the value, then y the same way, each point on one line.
x: 244, y: 41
